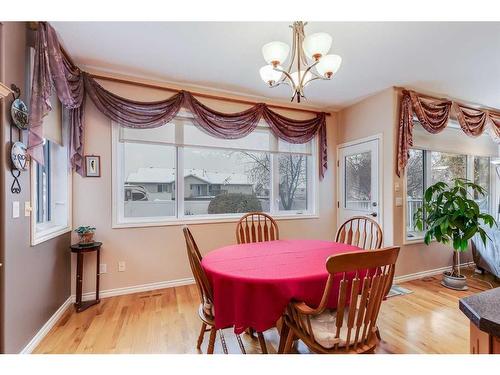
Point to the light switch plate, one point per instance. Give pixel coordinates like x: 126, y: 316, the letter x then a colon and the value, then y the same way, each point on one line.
x: 27, y: 208
x: 15, y: 209
x: 399, y: 201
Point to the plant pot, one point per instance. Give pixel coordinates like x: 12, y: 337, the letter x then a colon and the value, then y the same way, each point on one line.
x: 454, y: 282
x: 87, y: 238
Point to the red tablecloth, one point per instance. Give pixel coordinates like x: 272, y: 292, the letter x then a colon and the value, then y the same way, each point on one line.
x: 253, y: 283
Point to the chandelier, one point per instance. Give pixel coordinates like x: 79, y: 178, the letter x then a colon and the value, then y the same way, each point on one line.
x: 309, y: 61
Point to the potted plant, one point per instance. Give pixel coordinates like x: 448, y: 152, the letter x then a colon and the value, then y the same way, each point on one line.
x: 449, y: 214
x: 86, y: 234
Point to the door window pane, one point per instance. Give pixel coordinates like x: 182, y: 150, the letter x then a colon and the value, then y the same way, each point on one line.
x: 293, y: 181
x: 414, y: 190
x: 445, y: 167
x: 149, y: 187
x: 358, y: 189
x: 482, y: 178
x: 225, y: 182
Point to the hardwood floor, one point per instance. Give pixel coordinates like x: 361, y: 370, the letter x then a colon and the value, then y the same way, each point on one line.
x: 166, y: 321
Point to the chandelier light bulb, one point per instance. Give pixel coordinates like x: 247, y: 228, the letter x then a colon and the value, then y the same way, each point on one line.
x: 317, y: 45
x: 275, y: 53
x: 269, y: 75
x: 328, y: 65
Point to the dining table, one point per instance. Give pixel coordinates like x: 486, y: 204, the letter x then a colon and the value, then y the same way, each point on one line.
x: 254, y: 282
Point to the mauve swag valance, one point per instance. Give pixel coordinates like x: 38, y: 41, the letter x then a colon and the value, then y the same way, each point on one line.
x: 54, y: 69
x: 433, y: 115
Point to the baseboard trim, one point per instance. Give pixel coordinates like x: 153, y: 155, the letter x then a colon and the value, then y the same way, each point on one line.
x: 46, y: 327
x: 137, y: 289
x: 427, y: 273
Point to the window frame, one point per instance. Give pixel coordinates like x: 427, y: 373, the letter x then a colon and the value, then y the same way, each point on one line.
x: 427, y: 177
x: 117, y: 165
x: 42, y: 232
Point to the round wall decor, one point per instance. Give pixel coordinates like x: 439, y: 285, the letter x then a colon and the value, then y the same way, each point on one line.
x: 19, y: 113
x: 19, y: 157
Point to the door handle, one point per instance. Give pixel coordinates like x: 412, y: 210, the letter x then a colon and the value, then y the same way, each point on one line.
x: 374, y: 214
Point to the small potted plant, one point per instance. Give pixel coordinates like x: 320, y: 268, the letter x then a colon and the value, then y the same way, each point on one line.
x: 449, y: 214
x: 86, y: 234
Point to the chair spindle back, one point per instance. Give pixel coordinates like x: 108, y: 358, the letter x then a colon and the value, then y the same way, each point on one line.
x: 360, y: 231
x: 256, y: 227
x: 366, y: 277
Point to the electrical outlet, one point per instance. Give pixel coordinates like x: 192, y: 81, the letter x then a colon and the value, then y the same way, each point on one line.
x: 121, y: 266
x: 103, y: 268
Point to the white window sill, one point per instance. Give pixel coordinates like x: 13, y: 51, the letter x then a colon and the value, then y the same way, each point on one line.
x: 418, y: 240
x: 413, y: 241
x: 205, y: 220
x: 48, y: 232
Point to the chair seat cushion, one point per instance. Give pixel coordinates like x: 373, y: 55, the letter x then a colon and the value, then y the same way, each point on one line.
x: 324, y: 327
x: 208, y: 309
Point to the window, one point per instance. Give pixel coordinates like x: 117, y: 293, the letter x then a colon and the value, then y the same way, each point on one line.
x: 179, y: 172
x: 445, y: 167
x: 415, y: 187
x: 50, y: 194
x: 482, y: 178
x: 358, y: 189
x: 428, y: 167
x: 147, y: 168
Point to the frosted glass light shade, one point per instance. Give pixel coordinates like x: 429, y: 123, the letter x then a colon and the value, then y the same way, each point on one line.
x: 317, y: 45
x: 275, y: 52
x: 295, y: 77
x: 269, y: 75
x: 328, y: 65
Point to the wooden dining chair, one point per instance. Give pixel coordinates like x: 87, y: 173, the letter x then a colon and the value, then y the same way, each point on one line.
x: 361, y: 231
x: 206, y: 310
x: 256, y: 227
x: 352, y: 327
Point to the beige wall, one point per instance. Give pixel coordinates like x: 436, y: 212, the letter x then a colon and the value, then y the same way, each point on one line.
x: 157, y: 254
x: 378, y: 114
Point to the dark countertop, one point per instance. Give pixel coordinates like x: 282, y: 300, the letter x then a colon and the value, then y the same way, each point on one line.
x: 483, y: 309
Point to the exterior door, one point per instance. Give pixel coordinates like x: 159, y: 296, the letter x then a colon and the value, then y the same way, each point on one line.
x: 360, y: 188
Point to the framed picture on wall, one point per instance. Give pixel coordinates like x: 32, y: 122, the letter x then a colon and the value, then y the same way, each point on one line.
x: 92, y: 166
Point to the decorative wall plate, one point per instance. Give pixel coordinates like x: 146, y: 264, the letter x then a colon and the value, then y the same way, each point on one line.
x: 19, y: 156
x: 19, y: 113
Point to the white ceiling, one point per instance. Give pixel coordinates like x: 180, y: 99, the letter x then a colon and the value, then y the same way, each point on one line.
x: 459, y: 60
